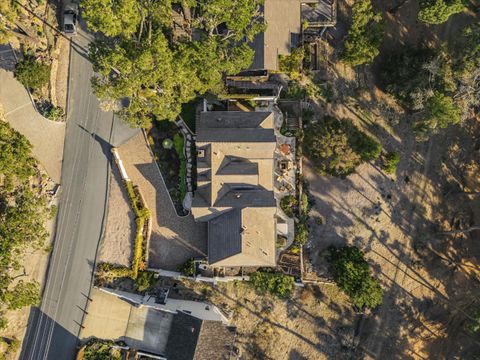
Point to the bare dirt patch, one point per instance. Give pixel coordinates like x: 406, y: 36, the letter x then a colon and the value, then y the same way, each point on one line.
x: 117, y: 243
x: 316, y: 323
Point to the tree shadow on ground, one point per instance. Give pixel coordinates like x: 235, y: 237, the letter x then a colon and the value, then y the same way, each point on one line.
x: 326, y: 339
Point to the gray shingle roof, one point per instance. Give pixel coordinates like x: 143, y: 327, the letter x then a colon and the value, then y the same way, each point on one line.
x: 230, y: 135
x: 224, y: 236
x: 231, y: 119
x: 193, y: 339
x: 247, y: 198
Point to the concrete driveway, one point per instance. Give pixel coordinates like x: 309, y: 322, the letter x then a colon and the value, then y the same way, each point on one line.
x: 174, y: 239
x: 45, y: 136
x: 112, y: 318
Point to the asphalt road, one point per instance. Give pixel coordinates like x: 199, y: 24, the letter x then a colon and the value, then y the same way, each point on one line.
x: 53, y: 329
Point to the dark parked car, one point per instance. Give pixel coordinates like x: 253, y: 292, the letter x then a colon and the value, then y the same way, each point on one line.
x: 69, y: 18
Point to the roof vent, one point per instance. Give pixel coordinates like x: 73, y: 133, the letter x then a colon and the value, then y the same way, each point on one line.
x: 219, y: 119
x: 238, y: 196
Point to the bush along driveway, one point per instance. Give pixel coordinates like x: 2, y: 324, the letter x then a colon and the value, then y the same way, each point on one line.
x: 142, y: 232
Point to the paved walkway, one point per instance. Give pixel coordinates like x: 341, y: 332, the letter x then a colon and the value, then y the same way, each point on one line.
x: 45, y: 136
x: 174, y: 239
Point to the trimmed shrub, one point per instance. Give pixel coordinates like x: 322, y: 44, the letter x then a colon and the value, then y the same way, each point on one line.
x: 111, y: 270
x: 138, y: 247
x: 142, y: 214
x: 188, y: 268
x: 288, y: 204
x: 391, y: 161
x: 145, y: 280
x: 352, y: 274
x: 301, y: 233
x: 276, y: 284
x: 32, y: 74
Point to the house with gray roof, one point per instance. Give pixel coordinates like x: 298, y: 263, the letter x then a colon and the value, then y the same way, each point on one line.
x: 235, y: 187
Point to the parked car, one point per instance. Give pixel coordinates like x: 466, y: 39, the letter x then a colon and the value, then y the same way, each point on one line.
x: 69, y: 18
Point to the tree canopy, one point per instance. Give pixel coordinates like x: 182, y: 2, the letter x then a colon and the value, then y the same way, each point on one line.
x: 157, y: 62
x: 23, y: 213
x: 352, y: 274
x: 439, y: 86
x: 438, y: 11
x: 364, y: 36
x: 337, y: 147
x: 32, y: 74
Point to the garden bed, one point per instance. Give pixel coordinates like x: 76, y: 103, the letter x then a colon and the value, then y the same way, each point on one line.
x: 167, y: 143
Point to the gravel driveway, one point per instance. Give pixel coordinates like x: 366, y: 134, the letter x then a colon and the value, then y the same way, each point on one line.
x: 174, y: 239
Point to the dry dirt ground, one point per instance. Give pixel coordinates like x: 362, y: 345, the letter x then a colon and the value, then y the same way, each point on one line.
x: 117, y: 243
x: 430, y: 279
x: 316, y: 323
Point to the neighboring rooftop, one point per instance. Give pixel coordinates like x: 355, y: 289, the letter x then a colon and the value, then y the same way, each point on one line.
x: 284, y: 28
x: 192, y: 338
x: 235, y: 187
x: 282, y: 34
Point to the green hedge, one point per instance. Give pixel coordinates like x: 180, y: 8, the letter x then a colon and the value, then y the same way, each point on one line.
x: 142, y: 214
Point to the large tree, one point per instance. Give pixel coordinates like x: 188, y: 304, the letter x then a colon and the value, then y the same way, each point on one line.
x: 364, y: 36
x: 438, y: 11
x: 352, y: 274
x: 337, y: 147
x: 23, y: 213
x: 164, y: 63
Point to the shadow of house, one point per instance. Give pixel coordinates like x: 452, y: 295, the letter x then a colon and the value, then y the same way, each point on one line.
x: 46, y: 339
